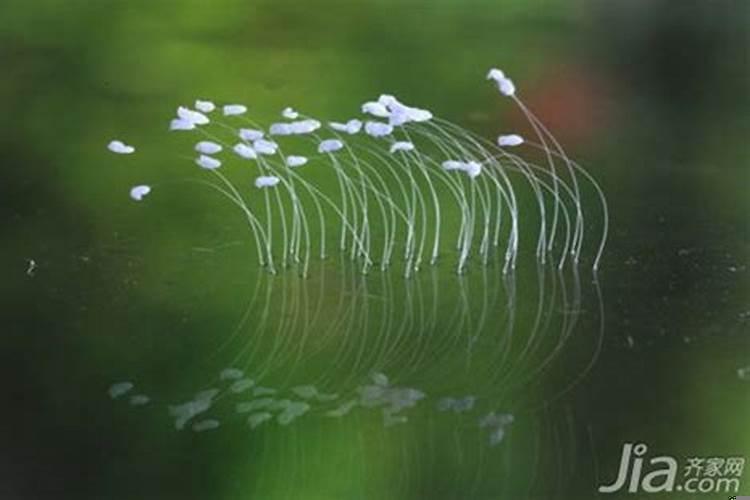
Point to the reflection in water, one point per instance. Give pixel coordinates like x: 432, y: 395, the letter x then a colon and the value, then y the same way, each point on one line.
x: 439, y: 369
x: 445, y: 378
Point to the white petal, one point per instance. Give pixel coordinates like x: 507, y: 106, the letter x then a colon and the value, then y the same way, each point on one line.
x: 378, y: 129
x: 250, y: 134
x: 419, y: 115
x: 339, y: 127
x: 207, y: 162
x: 506, y: 86
x: 195, y: 117
x: 265, y: 147
x: 495, y: 74
x: 208, y: 147
x: 453, y: 165
x: 280, y: 129
x: 353, y: 126
x: 180, y: 124
x: 375, y: 109
x: 234, y: 109
x: 265, y: 181
x: 138, y: 192
x: 204, y: 106
x: 304, y: 126
x: 387, y: 100
x: 509, y: 140
x: 402, y: 146
x: 289, y: 114
x: 473, y: 169
x: 120, y: 148
x: 295, y: 161
x: 330, y: 145
x: 398, y: 117
x: 245, y: 151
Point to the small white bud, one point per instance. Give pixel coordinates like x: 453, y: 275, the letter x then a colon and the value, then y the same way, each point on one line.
x: 139, y: 192
x: 510, y: 140
x: 245, y: 151
x: 250, y: 135
x: 120, y: 148
x: 266, y: 181
x: 180, y: 124
x: 234, y: 109
x: 295, y: 161
x: 208, y: 147
x: 195, y: 117
x: 402, y: 146
x: 375, y: 109
x: 265, y: 147
x: 330, y: 145
x: 289, y: 114
x: 204, y: 106
x: 207, y: 162
x: 378, y: 129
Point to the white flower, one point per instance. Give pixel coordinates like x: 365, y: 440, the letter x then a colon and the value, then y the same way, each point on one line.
x: 402, y: 146
x: 399, y: 113
x: 295, y: 161
x: 351, y: 127
x: 138, y: 192
x: 280, y: 129
x: 506, y: 87
x: 180, y: 124
x: 234, y: 109
x: 265, y: 147
x: 453, y: 165
x: 289, y: 114
x: 387, y: 100
x: 509, y: 140
x: 204, y: 106
x: 304, y: 126
x: 504, y: 84
x: 250, y: 134
x: 120, y: 148
x: 195, y: 117
x: 245, y: 151
x: 378, y: 129
x: 208, y: 147
x: 330, y: 145
x: 495, y: 74
x: 473, y: 169
x: 207, y: 162
x: 375, y: 109
x: 265, y: 181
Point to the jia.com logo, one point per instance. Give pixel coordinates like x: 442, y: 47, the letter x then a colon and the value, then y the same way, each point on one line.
x: 662, y: 474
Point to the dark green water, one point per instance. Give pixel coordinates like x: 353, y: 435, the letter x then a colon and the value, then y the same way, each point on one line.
x: 652, y: 98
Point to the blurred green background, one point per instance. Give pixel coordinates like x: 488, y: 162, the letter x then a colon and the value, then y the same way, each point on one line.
x: 652, y: 97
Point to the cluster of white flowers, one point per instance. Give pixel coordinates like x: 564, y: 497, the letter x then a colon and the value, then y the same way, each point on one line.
x: 413, y: 136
